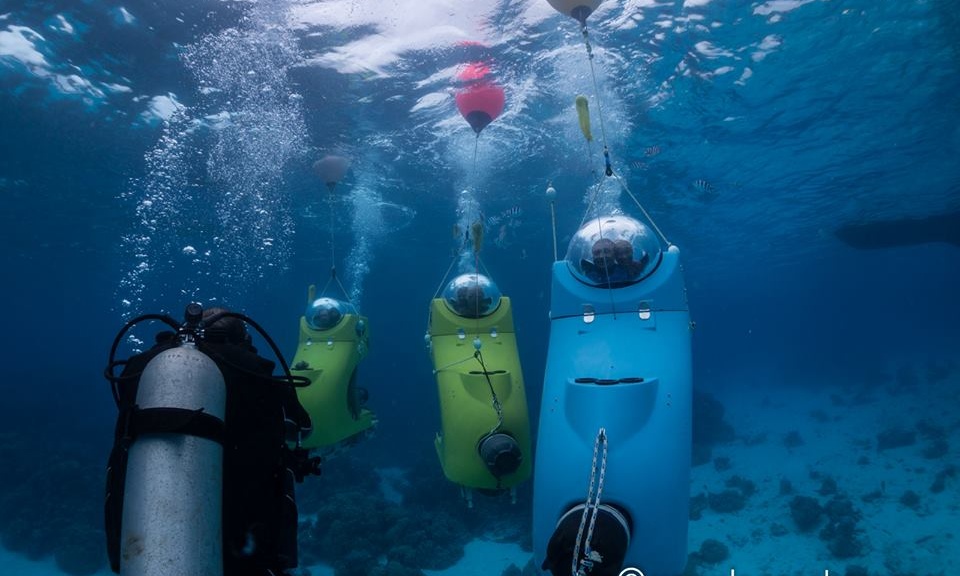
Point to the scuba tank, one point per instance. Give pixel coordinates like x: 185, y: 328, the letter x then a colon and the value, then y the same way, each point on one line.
x: 166, y: 475
x: 173, y: 504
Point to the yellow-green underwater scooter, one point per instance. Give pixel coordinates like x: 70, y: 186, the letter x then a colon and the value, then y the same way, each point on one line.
x: 333, y: 339
x: 485, y: 442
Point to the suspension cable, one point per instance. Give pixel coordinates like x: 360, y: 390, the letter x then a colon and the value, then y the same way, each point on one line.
x: 333, y: 254
x: 552, y: 197
x: 333, y: 244
x: 606, y: 150
x: 623, y: 184
x: 596, y: 89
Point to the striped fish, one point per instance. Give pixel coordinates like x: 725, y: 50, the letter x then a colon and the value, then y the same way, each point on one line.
x: 703, y: 186
x: 507, y: 216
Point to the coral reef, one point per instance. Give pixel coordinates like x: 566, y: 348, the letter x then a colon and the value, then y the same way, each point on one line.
x: 356, y: 530
x: 51, y: 497
x: 792, y: 439
x: 937, y: 445
x: 778, y: 529
x: 727, y: 501
x: 698, y: 504
x: 872, y: 496
x: 828, y: 487
x: 529, y: 569
x: 392, y: 568
x: 890, y: 438
x: 786, y: 487
x: 39, y: 517
x: 733, y: 498
x: 910, y: 499
x: 709, y: 427
x: 841, y: 532
x: 806, y: 512
x: 936, y: 449
x: 711, y: 552
x: 940, y: 482
x: 746, y: 487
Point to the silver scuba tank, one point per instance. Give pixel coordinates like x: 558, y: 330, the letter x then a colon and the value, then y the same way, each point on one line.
x: 173, y: 495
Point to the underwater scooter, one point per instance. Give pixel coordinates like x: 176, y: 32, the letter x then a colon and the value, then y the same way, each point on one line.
x: 165, y: 476
x: 485, y: 442
x: 612, y: 470
x: 334, y: 338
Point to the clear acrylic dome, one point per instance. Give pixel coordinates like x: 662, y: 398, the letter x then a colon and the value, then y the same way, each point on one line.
x: 325, y: 313
x: 613, y: 250
x: 471, y: 295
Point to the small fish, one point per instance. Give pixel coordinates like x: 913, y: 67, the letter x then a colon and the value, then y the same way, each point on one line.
x: 651, y: 151
x: 512, y: 212
x: 703, y: 186
x: 507, y: 216
x: 638, y: 165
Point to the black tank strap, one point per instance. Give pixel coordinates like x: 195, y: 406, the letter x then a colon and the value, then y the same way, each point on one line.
x: 172, y: 421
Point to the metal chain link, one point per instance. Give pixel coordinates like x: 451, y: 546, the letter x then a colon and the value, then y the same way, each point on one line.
x: 581, y: 566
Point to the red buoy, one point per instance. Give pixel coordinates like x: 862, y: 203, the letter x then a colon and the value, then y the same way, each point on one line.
x: 480, y: 104
x: 473, y: 72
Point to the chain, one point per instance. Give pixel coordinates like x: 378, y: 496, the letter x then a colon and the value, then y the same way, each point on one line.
x: 579, y: 566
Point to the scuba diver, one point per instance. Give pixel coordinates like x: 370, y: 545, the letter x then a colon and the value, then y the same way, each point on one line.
x: 485, y: 440
x: 206, y: 452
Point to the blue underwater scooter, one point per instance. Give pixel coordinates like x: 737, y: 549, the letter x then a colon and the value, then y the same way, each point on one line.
x: 612, y: 470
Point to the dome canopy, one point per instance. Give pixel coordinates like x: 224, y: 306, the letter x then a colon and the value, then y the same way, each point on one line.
x: 325, y: 313
x: 472, y: 295
x: 613, y: 250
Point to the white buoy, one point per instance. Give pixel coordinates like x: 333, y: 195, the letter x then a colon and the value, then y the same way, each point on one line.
x: 579, y: 9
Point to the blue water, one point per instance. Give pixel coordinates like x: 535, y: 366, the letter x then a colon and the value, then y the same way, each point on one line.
x: 153, y: 154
